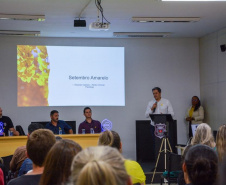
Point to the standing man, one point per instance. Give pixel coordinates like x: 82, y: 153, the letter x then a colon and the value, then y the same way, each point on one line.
x: 159, y: 105
x: 89, y: 123
x: 6, y: 124
x: 58, y: 126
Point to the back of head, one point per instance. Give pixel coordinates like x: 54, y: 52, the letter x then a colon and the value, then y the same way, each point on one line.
x: 203, y: 135
x: 202, y: 165
x: 34, y: 126
x: 38, y: 145
x: 102, y: 165
x: 110, y: 138
x: 58, y: 162
x: 221, y: 142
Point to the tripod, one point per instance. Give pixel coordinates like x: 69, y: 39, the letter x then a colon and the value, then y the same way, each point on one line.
x: 165, y: 140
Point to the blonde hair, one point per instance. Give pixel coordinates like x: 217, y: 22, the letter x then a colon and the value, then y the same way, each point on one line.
x: 221, y: 142
x: 203, y: 135
x: 101, y: 165
x: 110, y: 138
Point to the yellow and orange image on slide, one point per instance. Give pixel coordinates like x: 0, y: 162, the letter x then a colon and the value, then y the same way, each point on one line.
x: 33, y: 70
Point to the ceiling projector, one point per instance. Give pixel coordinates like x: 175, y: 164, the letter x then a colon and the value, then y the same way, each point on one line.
x: 98, y: 26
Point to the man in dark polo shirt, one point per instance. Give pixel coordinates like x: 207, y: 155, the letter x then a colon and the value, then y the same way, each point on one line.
x: 6, y: 124
x: 56, y: 125
x: 89, y: 123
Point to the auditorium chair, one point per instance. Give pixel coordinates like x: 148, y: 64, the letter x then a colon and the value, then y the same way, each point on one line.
x: 20, y: 129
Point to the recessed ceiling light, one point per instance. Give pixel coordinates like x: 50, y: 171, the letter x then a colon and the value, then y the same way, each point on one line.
x: 22, y: 17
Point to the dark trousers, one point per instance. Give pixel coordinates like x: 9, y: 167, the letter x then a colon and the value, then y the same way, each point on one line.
x: 153, y: 139
x: 190, y: 130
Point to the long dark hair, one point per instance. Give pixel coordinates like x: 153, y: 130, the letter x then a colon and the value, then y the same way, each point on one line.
x: 198, y: 104
x: 58, y: 162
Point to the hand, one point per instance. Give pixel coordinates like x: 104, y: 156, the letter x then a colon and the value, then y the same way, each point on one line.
x: 188, y: 118
x: 154, y: 106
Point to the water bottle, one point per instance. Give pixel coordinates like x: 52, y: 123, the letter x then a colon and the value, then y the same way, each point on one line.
x: 91, y: 131
x: 60, y: 131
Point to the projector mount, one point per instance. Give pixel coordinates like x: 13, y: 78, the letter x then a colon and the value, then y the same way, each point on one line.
x: 99, y: 25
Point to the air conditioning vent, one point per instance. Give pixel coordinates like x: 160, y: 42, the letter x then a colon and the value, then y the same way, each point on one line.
x: 141, y: 34
x: 22, y: 17
x: 165, y: 19
x: 19, y: 33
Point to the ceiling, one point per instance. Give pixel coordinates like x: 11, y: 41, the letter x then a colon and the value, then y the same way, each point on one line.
x: 60, y: 16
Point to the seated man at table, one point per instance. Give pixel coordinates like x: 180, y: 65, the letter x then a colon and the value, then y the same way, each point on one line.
x: 38, y: 145
x: 58, y: 126
x: 89, y: 123
x: 7, y: 124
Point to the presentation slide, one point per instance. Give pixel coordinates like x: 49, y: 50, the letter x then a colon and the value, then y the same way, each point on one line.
x: 70, y: 76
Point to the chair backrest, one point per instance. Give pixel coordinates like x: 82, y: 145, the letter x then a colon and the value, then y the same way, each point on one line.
x: 174, y: 162
x: 6, y: 161
x: 20, y: 129
x: 70, y: 123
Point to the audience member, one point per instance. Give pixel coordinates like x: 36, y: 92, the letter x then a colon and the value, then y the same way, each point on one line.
x: 222, y: 170
x: 221, y: 142
x: 100, y: 165
x: 7, y: 124
x: 89, y: 123
x: 38, y: 145
x: 20, y: 156
x: 111, y: 138
x: 195, y: 113
x: 58, y: 126
x: 2, y: 167
x: 203, y: 135
x: 58, y: 162
x: 1, y: 177
x: 181, y: 180
x: 200, y: 166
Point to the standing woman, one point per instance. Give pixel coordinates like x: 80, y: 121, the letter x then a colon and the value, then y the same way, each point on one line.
x: 195, y: 114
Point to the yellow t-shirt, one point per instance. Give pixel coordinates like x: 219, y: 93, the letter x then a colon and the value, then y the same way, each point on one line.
x: 135, y: 171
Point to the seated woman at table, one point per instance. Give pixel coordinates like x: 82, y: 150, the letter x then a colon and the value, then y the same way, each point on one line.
x: 194, y: 114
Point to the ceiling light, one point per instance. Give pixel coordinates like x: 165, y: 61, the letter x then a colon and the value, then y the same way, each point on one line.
x: 166, y: 19
x: 19, y: 33
x: 22, y: 17
x: 141, y: 34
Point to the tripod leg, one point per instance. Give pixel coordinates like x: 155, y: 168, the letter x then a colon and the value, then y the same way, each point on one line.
x: 165, y: 150
x: 169, y: 145
x: 156, y: 164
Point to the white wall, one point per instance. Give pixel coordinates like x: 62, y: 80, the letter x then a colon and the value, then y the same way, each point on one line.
x: 213, y: 78
x: 172, y: 64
